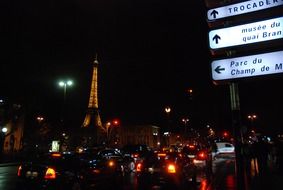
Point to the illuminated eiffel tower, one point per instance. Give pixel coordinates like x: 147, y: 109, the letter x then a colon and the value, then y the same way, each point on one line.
x: 92, y: 122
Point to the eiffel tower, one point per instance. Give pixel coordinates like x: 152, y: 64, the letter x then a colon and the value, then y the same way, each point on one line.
x: 92, y: 124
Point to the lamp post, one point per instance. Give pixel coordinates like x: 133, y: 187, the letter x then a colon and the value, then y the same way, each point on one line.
x: 4, y: 130
x: 166, y: 133
x: 252, y: 118
x: 2, y: 139
x: 64, y: 84
x: 167, y: 110
x: 185, y: 121
x: 39, y: 119
x: 109, y: 127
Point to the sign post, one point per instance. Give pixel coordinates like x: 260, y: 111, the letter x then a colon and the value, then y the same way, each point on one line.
x: 244, y: 66
x: 261, y: 31
x: 238, y: 136
x: 247, y: 66
x: 241, y: 8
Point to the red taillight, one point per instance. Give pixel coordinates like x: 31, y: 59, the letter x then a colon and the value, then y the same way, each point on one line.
x: 50, y: 173
x: 202, y: 155
x: 171, y: 168
x: 96, y: 171
x: 111, y: 163
x: 56, y: 155
x: 139, y: 167
x: 135, y: 155
x: 19, y: 171
x: 161, y: 154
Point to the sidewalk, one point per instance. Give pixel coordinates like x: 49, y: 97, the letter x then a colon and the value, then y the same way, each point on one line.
x: 271, y: 179
x: 225, y: 178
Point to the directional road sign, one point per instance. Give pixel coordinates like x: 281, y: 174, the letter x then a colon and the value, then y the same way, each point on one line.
x: 241, y: 8
x: 261, y: 31
x: 247, y: 66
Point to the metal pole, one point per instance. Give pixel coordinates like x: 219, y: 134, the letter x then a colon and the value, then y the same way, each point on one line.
x: 238, y: 137
x: 65, y: 90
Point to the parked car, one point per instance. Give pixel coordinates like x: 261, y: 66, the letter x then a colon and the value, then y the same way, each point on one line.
x: 72, y: 171
x: 165, y: 170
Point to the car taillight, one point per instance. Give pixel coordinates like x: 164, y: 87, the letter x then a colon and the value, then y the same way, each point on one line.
x: 111, y: 163
x: 171, y: 168
x: 50, y: 174
x: 19, y: 173
x: 161, y: 154
x: 96, y: 171
x: 135, y: 155
x: 139, y: 167
x: 56, y: 155
x: 202, y: 155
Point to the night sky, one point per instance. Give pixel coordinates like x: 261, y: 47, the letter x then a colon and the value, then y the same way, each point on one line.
x: 150, y: 52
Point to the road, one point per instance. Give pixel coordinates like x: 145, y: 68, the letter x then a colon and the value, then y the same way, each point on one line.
x: 221, y: 179
x: 223, y: 174
x: 8, y: 177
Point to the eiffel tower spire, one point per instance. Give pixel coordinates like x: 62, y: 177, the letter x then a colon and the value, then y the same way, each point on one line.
x: 92, y: 118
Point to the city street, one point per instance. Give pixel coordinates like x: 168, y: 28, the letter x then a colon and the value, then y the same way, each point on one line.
x: 8, y: 177
x: 222, y: 178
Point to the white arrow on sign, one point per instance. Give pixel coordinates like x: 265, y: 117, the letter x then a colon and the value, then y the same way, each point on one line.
x: 247, y: 66
x: 241, y: 8
x: 266, y: 30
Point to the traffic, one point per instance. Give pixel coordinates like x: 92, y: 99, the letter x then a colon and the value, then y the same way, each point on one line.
x: 129, y: 167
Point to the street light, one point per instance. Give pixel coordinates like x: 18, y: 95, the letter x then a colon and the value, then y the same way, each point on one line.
x: 166, y: 133
x: 64, y: 84
x: 109, y: 127
x: 185, y: 121
x: 39, y: 119
x: 252, y: 118
x: 4, y: 130
x: 190, y: 93
x: 167, y: 110
x: 2, y: 139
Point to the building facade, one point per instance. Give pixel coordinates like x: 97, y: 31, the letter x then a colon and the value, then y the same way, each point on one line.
x: 139, y: 134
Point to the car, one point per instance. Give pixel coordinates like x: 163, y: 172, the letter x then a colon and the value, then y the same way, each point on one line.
x: 137, y: 151
x: 224, y: 148
x: 68, y: 170
x: 126, y: 162
x: 165, y: 170
x: 201, y: 157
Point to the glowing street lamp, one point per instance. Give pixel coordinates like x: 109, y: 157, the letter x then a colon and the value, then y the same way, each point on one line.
x: 4, y: 130
x: 64, y: 84
x: 109, y: 127
x: 252, y: 118
x: 39, y: 119
x: 166, y: 133
x: 185, y: 121
x: 167, y: 110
